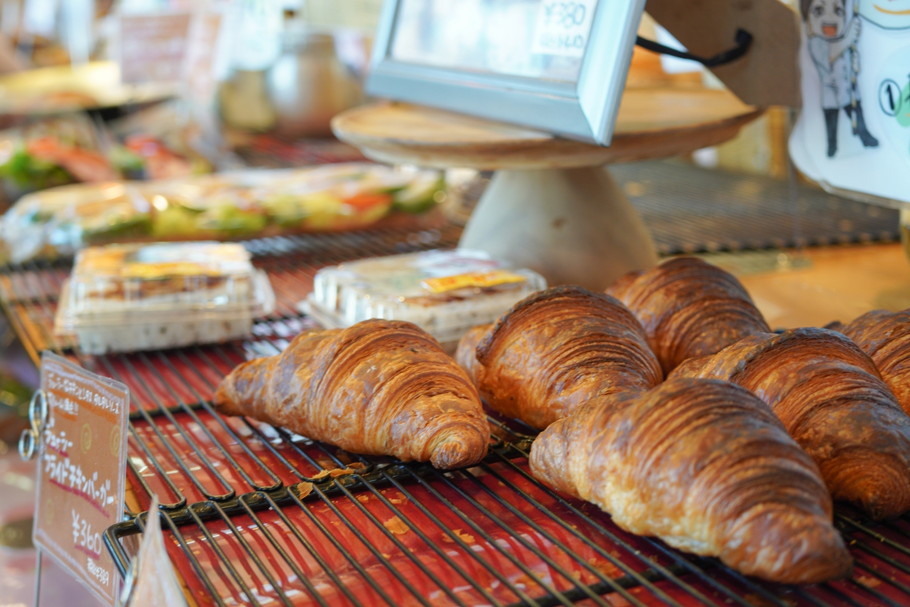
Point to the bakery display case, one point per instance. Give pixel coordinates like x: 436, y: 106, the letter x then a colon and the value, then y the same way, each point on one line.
x: 254, y: 514
x: 250, y: 312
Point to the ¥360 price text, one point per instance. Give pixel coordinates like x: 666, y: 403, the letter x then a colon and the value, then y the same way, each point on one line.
x: 84, y: 537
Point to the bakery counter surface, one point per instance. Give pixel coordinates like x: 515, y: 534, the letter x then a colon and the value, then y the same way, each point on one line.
x: 256, y: 515
x: 816, y: 286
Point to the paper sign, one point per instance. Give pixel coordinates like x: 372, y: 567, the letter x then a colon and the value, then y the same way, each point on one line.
x: 81, y: 470
x: 562, y: 27
x: 853, y: 133
x: 153, y: 47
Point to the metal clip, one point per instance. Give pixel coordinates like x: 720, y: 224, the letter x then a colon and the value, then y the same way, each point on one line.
x: 37, y: 419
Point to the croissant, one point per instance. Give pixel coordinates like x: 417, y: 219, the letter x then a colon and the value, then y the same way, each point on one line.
x: 378, y: 387
x: 689, y: 308
x: 705, y: 466
x: 556, y: 349
x: 830, y: 398
x: 885, y: 337
x: 466, y: 352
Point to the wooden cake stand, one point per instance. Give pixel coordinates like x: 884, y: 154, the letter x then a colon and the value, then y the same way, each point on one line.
x: 552, y: 205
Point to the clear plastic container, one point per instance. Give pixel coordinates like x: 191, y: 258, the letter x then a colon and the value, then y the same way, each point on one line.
x: 121, y: 298
x: 444, y: 292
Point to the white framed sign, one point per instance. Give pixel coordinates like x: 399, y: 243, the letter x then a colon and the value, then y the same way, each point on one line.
x: 555, y: 65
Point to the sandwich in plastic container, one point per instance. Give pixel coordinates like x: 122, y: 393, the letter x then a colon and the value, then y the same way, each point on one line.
x: 445, y: 292
x: 129, y: 297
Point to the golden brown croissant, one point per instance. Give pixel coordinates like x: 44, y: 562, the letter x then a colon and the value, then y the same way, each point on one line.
x: 885, y: 337
x: 556, y: 349
x: 829, y: 396
x: 466, y: 352
x: 689, y: 308
x: 378, y: 387
x: 705, y: 466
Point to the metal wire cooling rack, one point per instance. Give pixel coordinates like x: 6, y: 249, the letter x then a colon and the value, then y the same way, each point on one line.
x: 255, y: 515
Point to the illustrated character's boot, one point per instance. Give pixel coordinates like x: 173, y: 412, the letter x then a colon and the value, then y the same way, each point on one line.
x: 859, y: 128
x: 831, y: 127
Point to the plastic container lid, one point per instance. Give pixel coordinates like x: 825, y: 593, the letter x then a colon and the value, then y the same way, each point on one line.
x: 445, y: 292
x: 119, y: 295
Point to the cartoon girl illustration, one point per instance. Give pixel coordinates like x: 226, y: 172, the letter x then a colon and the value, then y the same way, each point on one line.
x: 832, y: 37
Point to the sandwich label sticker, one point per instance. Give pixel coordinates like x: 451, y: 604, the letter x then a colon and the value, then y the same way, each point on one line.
x: 442, y: 284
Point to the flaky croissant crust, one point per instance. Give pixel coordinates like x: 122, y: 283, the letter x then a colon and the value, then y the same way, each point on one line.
x: 705, y: 466
x: 378, y: 387
x: 829, y: 396
x: 689, y: 308
x: 885, y: 337
x: 556, y: 349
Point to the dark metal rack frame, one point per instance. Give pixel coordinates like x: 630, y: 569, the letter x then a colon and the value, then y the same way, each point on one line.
x: 256, y: 515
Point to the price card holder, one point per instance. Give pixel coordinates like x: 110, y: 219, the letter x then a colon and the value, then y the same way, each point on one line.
x: 554, y: 65
x: 78, y: 431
